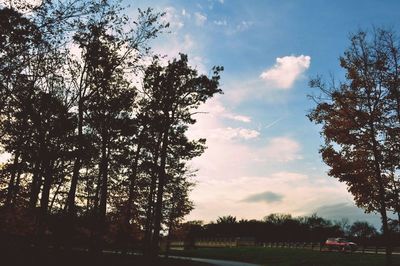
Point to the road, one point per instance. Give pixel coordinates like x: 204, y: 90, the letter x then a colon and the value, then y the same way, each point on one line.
x: 215, y: 262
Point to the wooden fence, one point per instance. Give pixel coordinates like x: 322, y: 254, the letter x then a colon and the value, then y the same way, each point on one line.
x: 322, y: 247
x: 250, y: 242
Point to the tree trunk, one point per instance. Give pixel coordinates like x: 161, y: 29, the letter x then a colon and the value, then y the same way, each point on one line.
x: 170, y: 230
x: 44, y: 201
x: 382, y: 197
x: 17, y: 184
x: 11, y: 185
x: 70, y: 205
x: 160, y: 192
x: 133, y: 176
x: 150, y: 202
x: 132, y: 186
x: 104, y: 177
x: 45, y: 195
x: 36, y: 183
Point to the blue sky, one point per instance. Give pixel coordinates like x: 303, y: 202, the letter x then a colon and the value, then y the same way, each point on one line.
x: 262, y: 154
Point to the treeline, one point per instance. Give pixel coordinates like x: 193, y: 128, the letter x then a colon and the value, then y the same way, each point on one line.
x: 96, y: 157
x: 284, y: 228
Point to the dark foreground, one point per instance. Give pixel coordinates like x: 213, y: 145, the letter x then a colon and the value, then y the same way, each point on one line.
x: 80, y: 258
x: 289, y: 257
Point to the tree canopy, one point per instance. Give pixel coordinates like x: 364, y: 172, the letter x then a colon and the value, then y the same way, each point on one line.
x: 95, y: 159
x: 360, y: 119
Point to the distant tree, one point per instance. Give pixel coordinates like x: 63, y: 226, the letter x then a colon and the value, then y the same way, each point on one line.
x: 362, y: 231
x: 229, y: 219
x: 344, y: 225
x: 277, y: 218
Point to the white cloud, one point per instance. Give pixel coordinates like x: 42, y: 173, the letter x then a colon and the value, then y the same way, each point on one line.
x: 173, y: 18
x: 244, y: 25
x: 216, y: 109
x: 209, y: 125
x: 230, y: 133
x: 233, y: 168
x: 227, y: 190
x: 282, y: 149
x: 185, y: 13
x: 241, y: 118
x: 220, y: 22
x: 200, y: 18
x: 188, y: 43
x: 286, y: 71
x: 171, y: 47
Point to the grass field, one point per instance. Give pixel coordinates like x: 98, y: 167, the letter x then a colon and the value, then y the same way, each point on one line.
x: 286, y: 257
x: 80, y: 258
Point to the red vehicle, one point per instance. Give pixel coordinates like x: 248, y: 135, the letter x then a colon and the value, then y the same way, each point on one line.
x: 340, y: 244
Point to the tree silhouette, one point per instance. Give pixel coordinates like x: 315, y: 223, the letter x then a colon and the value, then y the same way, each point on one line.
x: 175, y: 91
x: 362, y: 231
x: 359, y: 118
x: 95, y: 160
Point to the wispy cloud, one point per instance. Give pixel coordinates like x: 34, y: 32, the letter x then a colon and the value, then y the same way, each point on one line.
x: 222, y: 22
x: 200, y: 18
x: 185, y: 13
x: 347, y: 210
x: 286, y: 71
x: 235, y: 133
x: 273, y: 123
x: 282, y: 149
x: 267, y: 197
x: 244, y: 25
x: 241, y: 118
x: 216, y: 109
x: 173, y: 18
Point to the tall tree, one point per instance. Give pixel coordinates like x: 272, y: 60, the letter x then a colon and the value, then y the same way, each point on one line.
x: 176, y: 91
x: 360, y: 125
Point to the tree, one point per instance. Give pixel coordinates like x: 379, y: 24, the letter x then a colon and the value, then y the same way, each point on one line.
x: 122, y: 48
x: 226, y: 220
x: 174, y: 91
x: 359, y: 119
x: 93, y: 157
x: 362, y: 231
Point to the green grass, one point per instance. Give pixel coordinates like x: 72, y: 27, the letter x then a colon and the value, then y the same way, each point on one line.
x: 79, y: 258
x: 286, y: 257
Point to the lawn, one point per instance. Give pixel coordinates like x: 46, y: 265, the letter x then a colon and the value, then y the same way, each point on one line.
x: 80, y: 258
x: 286, y: 256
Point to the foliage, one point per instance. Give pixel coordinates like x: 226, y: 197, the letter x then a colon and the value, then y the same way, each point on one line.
x: 278, y: 227
x: 360, y: 121
x: 95, y: 160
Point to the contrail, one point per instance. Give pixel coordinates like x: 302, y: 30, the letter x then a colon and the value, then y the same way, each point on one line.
x: 273, y: 123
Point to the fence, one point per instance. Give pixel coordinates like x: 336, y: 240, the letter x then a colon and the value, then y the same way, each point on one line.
x: 221, y: 242
x: 322, y: 247
x: 250, y: 242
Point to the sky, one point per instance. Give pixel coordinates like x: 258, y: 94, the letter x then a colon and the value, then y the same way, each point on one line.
x: 262, y: 154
